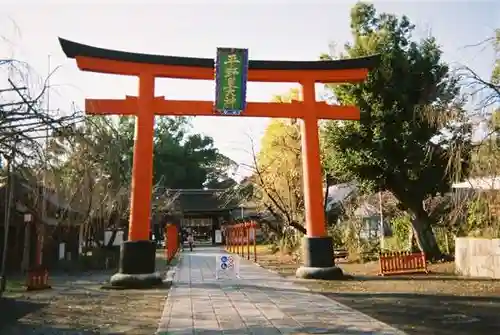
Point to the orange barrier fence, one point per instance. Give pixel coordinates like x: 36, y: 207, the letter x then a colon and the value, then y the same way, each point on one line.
x: 37, y: 279
x: 402, y: 262
x: 241, y: 239
x: 171, y: 241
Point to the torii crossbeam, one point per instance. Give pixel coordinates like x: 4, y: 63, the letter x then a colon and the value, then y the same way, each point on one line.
x: 138, y: 254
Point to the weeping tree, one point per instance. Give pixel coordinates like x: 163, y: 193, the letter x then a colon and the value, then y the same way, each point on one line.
x: 23, y: 122
x: 476, y: 212
x: 24, y: 119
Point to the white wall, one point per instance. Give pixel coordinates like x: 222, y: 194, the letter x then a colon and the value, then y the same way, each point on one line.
x: 477, y: 257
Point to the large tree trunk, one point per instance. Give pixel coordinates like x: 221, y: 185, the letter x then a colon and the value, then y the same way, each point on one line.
x: 424, y: 235
x: 421, y: 223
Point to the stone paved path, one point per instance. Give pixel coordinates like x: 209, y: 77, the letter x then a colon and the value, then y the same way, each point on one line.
x: 260, y: 302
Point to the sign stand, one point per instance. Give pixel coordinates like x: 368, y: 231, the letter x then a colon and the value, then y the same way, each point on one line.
x: 227, y: 263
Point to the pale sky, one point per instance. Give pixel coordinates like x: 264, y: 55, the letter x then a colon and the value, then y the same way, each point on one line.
x: 275, y: 30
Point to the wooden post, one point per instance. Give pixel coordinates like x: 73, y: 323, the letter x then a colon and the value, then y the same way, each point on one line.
x: 247, y: 230
x: 231, y: 238
x: 238, y: 235
x: 226, y: 245
x: 254, y: 224
x: 242, y: 239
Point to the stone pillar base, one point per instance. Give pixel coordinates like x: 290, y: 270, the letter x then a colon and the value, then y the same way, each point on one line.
x: 136, y: 281
x: 319, y: 262
x: 137, y: 267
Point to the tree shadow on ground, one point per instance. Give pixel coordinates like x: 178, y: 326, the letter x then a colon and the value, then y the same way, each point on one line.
x: 412, y: 313
x: 42, y: 330
x: 268, y: 330
x: 423, y: 277
x: 428, y: 314
x: 12, y: 310
x: 21, y: 327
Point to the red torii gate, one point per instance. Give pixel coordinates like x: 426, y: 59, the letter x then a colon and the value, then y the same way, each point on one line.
x: 138, y: 253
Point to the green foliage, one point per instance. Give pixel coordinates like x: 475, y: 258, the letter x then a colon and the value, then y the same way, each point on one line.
x: 91, y: 166
x: 391, y: 145
x: 482, y: 216
x: 336, y: 233
x: 183, y: 160
x: 401, y: 227
x: 478, y: 214
x: 400, y: 102
x: 347, y: 235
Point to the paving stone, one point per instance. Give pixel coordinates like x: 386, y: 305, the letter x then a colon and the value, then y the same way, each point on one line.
x: 259, y: 302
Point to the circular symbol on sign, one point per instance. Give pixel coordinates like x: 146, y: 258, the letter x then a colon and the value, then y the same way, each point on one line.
x: 223, y: 266
x: 223, y: 259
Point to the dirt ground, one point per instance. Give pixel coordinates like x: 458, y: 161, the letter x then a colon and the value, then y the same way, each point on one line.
x: 437, y: 303
x: 78, y: 305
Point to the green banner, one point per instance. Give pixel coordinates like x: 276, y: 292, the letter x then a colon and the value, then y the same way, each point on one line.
x: 231, y: 71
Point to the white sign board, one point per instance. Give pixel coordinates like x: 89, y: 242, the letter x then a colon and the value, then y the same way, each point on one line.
x: 118, y: 238
x: 62, y: 247
x: 218, y: 236
x: 226, y: 264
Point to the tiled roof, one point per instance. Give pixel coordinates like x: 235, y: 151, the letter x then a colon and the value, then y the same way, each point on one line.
x: 200, y: 200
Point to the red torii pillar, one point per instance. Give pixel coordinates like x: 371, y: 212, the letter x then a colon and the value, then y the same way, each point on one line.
x: 138, y: 253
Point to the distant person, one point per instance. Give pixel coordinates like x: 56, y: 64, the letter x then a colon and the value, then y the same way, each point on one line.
x: 190, y: 240
x: 182, y: 239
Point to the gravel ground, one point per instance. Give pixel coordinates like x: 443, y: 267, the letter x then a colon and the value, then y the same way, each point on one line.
x: 78, y: 306
x: 439, y: 303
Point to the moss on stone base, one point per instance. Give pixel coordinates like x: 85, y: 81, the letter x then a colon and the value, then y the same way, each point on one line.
x: 134, y: 281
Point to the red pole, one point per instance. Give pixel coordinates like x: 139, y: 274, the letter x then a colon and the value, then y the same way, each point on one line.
x: 176, y: 238
x: 239, y: 239
x: 242, y: 239
x: 165, y: 234
x: 172, y: 242
x: 247, y: 229
x: 225, y: 238
x: 236, y: 232
x: 169, y: 242
x: 254, y: 226
x: 236, y: 239
x: 230, y: 236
